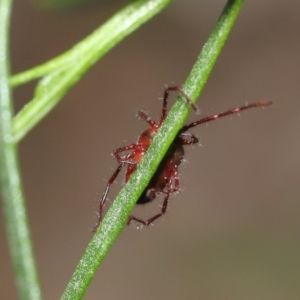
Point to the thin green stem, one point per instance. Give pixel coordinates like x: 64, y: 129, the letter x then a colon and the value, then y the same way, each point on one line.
x: 12, y: 192
x: 116, y: 217
x: 66, y: 70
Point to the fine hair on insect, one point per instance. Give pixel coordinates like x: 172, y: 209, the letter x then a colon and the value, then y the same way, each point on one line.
x: 165, y: 180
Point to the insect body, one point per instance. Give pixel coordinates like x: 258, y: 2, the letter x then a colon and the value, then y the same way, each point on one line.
x: 165, y: 180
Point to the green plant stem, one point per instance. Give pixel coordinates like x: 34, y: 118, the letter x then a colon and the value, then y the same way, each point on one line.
x: 117, y: 215
x: 66, y: 70
x: 12, y: 192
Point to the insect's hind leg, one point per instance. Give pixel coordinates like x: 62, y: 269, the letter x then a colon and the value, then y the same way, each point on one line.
x: 170, y: 189
x: 104, y: 196
x: 151, y: 220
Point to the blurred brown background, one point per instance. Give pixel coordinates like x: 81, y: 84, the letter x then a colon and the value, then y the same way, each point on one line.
x: 234, y: 232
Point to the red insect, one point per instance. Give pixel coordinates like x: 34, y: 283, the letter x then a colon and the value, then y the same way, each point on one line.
x: 165, y: 180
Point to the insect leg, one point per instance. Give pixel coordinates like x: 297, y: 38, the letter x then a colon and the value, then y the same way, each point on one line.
x: 223, y: 114
x: 148, y: 222
x: 178, y: 89
x: 143, y: 115
x: 170, y: 189
x: 122, y: 149
x: 104, y: 196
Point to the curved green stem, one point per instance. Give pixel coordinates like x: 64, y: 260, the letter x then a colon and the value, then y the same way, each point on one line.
x: 12, y: 192
x: 66, y: 70
x: 117, y: 215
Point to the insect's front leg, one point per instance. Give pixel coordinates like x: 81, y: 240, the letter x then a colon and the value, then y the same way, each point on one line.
x: 144, y: 115
x: 125, y: 159
x: 167, y: 91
